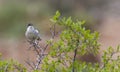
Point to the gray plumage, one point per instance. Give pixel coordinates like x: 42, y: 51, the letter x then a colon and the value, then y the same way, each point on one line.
x: 32, y: 34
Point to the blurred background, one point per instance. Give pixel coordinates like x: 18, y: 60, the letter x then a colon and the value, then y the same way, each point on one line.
x: 100, y: 15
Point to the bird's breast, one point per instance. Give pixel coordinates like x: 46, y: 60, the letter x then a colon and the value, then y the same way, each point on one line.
x: 30, y: 35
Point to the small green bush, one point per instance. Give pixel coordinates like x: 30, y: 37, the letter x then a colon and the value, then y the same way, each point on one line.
x: 73, y: 40
x: 11, y: 66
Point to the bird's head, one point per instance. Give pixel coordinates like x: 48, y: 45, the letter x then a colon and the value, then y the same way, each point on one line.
x: 30, y: 24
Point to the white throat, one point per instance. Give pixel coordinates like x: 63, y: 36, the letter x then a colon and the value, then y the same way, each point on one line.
x: 30, y: 28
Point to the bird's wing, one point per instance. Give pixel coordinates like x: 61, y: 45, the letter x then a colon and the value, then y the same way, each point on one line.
x: 36, y: 31
x: 37, y: 34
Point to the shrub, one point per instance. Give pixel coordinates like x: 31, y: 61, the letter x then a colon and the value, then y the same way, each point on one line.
x: 73, y: 40
x: 11, y: 66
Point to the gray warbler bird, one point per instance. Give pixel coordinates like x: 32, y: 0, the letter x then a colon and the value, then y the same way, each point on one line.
x: 32, y: 34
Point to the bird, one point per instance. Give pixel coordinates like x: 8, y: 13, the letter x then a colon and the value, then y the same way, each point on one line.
x: 32, y: 34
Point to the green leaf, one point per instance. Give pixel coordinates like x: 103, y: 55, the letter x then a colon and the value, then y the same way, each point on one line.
x: 55, y: 17
x: 118, y: 48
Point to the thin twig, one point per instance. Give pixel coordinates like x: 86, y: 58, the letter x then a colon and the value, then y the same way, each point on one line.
x: 74, y: 59
x: 75, y: 53
x: 39, y: 59
x: 18, y: 68
x: 6, y: 68
x: 111, y: 55
x: 46, y: 46
x: 28, y: 62
x: 53, y: 31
